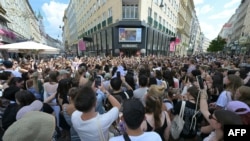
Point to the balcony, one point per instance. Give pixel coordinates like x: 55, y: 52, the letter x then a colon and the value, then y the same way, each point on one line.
x: 150, y: 20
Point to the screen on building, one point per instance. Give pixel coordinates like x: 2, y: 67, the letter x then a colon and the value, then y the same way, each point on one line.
x: 130, y: 34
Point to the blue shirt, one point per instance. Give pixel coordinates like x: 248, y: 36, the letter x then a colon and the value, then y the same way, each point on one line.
x: 100, y: 97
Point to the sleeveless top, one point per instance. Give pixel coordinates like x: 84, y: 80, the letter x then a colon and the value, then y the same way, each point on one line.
x: 160, y: 130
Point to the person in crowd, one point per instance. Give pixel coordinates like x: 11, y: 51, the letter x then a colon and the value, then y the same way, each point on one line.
x: 38, y: 81
x: 15, y: 84
x: 9, y: 67
x: 22, y: 98
x: 50, y: 91
x: 243, y: 94
x: 68, y: 109
x: 142, y: 90
x: 30, y: 87
x: 157, y: 119
x: 217, y: 119
x: 241, y: 109
x: 5, y: 78
x: 169, y: 78
x: 132, y: 123
x: 80, y: 74
x: 232, y: 83
x: 168, y: 100
x: 158, y: 76
x: 116, y: 85
x: 88, y: 123
x: 192, y: 116
x: 35, y: 126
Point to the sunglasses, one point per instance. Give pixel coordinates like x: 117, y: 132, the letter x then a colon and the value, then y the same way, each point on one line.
x: 211, y: 117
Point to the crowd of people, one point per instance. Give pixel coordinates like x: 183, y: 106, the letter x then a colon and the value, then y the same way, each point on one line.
x: 123, y: 98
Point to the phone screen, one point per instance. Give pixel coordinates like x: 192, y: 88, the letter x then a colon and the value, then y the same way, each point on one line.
x: 97, y: 81
x: 200, y: 81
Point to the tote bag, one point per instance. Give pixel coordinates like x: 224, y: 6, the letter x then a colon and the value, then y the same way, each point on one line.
x: 178, y: 122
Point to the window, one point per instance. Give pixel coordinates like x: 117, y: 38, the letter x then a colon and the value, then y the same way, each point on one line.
x: 130, y: 11
x: 160, y: 19
x: 110, y: 12
x: 104, y: 16
x: 104, y: 1
x: 164, y: 22
x: 156, y: 1
x: 155, y: 16
x: 98, y: 3
x: 168, y: 12
x: 149, y: 12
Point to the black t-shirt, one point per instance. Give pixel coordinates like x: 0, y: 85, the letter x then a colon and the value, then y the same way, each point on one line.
x: 188, y: 115
x: 47, y: 108
x: 120, y: 96
x: 9, y: 115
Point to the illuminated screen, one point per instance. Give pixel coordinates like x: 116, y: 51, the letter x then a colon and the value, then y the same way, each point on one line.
x: 130, y: 34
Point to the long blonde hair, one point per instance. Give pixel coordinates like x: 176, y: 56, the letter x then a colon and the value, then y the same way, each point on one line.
x: 154, y: 103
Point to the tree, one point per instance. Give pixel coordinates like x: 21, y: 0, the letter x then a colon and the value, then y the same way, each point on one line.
x: 216, y: 44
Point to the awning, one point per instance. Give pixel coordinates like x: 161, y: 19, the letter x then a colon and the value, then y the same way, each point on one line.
x: 6, y: 32
x: 88, y: 39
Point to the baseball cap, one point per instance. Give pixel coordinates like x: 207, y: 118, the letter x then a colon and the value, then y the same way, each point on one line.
x: 34, y: 106
x: 33, y: 126
x: 238, y: 107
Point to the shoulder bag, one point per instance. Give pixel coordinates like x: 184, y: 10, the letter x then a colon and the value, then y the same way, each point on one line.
x: 178, y: 122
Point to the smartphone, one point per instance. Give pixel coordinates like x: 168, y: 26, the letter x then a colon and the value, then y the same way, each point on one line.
x: 97, y: 81
x: 200, y: 81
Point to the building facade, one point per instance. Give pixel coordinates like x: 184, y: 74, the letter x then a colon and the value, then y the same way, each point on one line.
x: 236, y: 30
x: 127, y: 27
x: 23, y: 20
x: 185, y: 15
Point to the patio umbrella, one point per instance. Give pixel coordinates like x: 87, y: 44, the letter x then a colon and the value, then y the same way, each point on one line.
x: 30, y: 47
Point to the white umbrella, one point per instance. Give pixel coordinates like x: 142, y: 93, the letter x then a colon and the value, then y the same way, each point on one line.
x: 30, y: 47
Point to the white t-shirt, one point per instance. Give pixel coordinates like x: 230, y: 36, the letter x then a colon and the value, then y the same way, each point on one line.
x: 211, y: 137
x: 146, y: 136
x: 224, y: 98
x: 88, y: 130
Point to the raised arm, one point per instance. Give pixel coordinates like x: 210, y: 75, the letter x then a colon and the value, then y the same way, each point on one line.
x: 203, y: 105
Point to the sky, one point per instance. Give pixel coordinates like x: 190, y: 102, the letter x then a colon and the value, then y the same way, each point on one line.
x: 52, y: 12
x: 212, y: 15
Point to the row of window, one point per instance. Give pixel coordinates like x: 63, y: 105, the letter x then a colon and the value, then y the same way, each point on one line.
x: 130, y: 11
x: 163, y: 22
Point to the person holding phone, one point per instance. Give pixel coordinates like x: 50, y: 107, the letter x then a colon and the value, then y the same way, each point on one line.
x: 191, y: 115
x: 89, y: 124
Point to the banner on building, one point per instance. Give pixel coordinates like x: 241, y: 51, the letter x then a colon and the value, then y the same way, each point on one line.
x: 81, y: 45
x: 172, y: 46
x: 177, y: 40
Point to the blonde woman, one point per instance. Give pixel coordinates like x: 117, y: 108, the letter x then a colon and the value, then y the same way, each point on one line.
x: 157, y: 119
